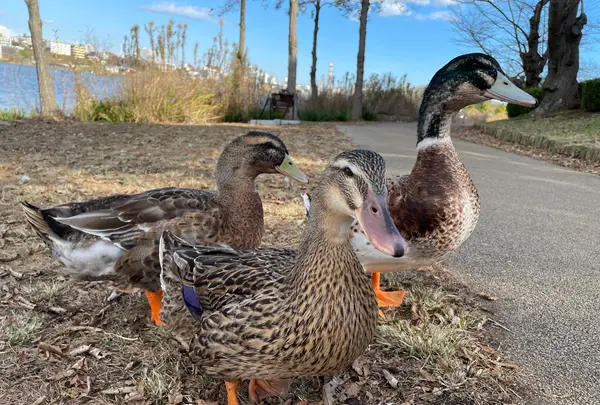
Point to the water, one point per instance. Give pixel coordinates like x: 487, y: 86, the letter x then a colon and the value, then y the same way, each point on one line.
x: 19, y: 87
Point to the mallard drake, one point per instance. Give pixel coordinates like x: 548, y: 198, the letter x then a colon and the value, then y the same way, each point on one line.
x: 281, y: 313
x: 116, y: 237
x: 436, y: 206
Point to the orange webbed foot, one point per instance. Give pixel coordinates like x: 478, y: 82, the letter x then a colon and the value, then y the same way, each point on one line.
x: 386, y: 299
x: 155, y: 301
x: 231, y: 387
x: 261, y: 389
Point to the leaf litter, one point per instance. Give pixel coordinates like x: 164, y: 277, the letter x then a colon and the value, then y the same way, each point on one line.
x: 64, y: 339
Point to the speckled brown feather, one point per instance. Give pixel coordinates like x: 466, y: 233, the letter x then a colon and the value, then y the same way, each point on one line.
x: 121, y: 232
x: 436, y: 207
x: 275, y: 313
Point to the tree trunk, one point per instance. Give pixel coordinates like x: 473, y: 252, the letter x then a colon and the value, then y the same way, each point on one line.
x: 564, y: 35
x: 293, y: 50
x: 360, y: 62
x: 533, y: 62
x: 242, y: 44
x: 48, y: 106
x: 314, y: 90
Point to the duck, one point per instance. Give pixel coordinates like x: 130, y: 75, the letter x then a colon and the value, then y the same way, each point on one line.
x: 115, y: 238
x: 270, y: 313
x: 436, y: 206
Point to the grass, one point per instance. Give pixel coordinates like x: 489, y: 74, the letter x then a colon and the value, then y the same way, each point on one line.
x: 14, y: 114
x: 572, y: 127
x: 436, y: 344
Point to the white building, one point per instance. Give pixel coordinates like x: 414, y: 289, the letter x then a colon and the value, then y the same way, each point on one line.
x: 4, y: 31
x: 5, y: 41
x: 146, y: 54
x: 59, y: 48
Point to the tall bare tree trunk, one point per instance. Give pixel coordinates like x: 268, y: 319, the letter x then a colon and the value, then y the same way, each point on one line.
x: 564, y: 36
x: 292, y: 54
x: 314, y: 90
x: 360, y: 62
x: 534, y: 63
x: 242, y: 44
x: 48, y: 106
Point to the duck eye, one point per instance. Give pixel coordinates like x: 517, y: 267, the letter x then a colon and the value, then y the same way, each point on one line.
x: 348, y: 172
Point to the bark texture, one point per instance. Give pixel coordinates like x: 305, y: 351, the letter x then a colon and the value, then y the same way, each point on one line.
x: 360, y: 62
x: 48, y: 106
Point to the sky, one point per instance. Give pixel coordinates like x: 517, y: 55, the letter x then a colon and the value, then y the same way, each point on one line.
x: 412, y: 37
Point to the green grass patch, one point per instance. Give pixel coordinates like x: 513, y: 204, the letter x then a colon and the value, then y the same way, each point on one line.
x: 571, y: 127
x: 13, y: 114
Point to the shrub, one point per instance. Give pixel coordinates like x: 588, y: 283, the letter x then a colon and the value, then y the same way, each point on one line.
x: 514, y: 110
x: 590, y: 95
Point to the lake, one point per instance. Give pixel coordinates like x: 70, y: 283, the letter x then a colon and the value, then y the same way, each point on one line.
x: 19, y: 87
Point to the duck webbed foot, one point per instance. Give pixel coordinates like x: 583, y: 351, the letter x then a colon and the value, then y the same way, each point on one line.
x: 386, y: 299
x: 261, y: 389
x: 231, y: 387
x: 155, y: 301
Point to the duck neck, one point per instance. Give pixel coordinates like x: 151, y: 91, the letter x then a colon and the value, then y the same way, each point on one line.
x: 241, y: 205
x: 435, y: 120
x: 325, y: 250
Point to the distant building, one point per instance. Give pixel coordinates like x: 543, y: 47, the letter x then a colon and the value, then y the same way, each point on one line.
x: 23, y: 40
x: 5, y: 41
x: 4, y: 31
x: 78, y: 51
x: 59, y: 48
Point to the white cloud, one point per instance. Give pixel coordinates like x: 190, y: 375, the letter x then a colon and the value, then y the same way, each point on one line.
x: 436, y: 15
x: 390, y: 8
x: 445, y: 2
x: 48, y: 21
x: 193, y: 12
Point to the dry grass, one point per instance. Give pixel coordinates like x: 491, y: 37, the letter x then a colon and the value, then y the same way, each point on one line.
x: 476, y: 136
x: 572, y: 127
x: 62, y: 337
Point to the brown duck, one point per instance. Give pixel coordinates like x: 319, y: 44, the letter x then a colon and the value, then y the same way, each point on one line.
x: 281, y: 313
x: 116, y: 237
x: 436, y: 206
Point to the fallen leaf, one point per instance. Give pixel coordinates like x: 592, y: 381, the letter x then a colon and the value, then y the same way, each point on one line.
x: 390, y: 378
x: 62, y: 374
x: 97, y: 353
x: 118, y: 391
x: 80, y: 364
x: 487, y: 297
x: 57, y: 310
x: 79, y: 350
x: 50, y: 348
x: 39, y: 401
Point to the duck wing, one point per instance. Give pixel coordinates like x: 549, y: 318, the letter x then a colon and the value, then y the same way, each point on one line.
x: 122, y: 219
x: 222, y: 276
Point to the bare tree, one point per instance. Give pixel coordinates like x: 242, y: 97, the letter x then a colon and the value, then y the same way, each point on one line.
x: 98, y: 45
x: 514, y: 31
x: 48, y: 106
x: 357, y: 100
x: 293, y: 52
x: 346, y: 6
x: 229, y: 6
x: 565, y: 30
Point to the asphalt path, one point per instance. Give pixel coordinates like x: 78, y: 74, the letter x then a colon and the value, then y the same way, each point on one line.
x: 537, y: 248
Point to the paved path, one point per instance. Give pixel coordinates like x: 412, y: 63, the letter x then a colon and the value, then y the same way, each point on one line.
x: 537, y: 248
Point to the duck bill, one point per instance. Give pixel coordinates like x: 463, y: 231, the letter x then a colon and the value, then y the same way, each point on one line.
x: 505, y: 90
x: 374, y: 218
x: 288, y: 168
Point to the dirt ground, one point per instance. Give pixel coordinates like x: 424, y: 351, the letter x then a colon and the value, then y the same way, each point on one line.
x: 61, y: 342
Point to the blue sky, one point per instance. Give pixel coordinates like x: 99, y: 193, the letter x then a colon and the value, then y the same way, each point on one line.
x: 413, y: 38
